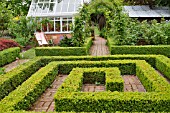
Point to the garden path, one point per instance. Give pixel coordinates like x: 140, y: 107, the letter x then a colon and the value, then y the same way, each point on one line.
x: 99, y: 47
x: 14, y: 64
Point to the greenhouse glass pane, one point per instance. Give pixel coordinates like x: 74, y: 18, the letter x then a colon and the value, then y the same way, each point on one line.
x: 64, y: 25
x: 65, y: 1
x: 71, y: 8
x: 57, y: 26
x: 51, y: 9
x: 64, y: 7
x: 41, y: 0
x: 39, y: 7
x: 72, y: 1
x: 53, y: 0
x: 69, y: 25
x: 51, y: 26
x: 34, y: 1
x: 58, y: 7
x: 33, y: 8
x: 46, y: 1
x: 45, y: 8
x: 77, y: 7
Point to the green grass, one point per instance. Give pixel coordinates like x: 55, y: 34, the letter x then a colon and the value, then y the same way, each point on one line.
x: 30, y: 54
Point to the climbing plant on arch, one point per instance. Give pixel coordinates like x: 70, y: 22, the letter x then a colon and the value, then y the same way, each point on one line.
x: 91, y: 13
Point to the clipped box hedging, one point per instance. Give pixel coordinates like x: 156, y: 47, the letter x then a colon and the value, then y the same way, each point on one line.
x: 64, y: 51
x: 7, y: 83
x: 156, y: 99
x: 162, y: 50
x: 160, y: 98
x: 29, y: 91
x: 9, y: 55
x: 12, y: 79
x: 111, y: 77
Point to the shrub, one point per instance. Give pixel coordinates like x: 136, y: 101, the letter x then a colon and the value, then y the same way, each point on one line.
x: 9, y: 55
x: 29, y: 91
x: 7, y: 43
x: 17, y: 76
x: 154, y: 100
x: 161, y: 49
x: 64, y: 51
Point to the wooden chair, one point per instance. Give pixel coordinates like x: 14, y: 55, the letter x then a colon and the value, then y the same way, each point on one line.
x: 41, y: 38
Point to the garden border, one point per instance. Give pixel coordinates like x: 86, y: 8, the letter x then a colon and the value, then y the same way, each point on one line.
x: 9, y: 55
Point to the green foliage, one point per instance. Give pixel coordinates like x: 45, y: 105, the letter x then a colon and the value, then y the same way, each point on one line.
x: 29, y: 91
x: 108, y: 101
x: 5, y: 16
x: 67, y: 42
x: 29, y: 54
x: 9, y: 55
x: 2, y: 70
x: 148, y: 49
x: 133, y: 32
x: 23, y: 30
x: 18, y: 7
x: 12, y: 79
x: 64, y: 51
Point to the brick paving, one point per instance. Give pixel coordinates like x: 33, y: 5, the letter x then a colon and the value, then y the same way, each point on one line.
x: 93, y: 88
x: 99, y: 47
x: 14, y: 64
x: 131, y: 84
x: 45, y: 103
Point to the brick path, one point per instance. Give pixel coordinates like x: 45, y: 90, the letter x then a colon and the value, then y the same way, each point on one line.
x: 99, y: 47
x: 14, y: 64
x: 93, y: 88
x: 46, y: 101
x: 132, y: 84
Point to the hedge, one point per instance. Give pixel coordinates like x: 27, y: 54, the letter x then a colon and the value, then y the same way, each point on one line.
x: 64, y: 51
x: 156, y: 99
x: 29, y: 91
x: 162, y: 50
x: 109, y: 76
x: 127, y: 67
x: 9, y: 55
x: 12, y: 79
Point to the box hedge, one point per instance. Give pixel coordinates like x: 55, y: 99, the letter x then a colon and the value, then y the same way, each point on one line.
x: 156, y: 99
x: 25, y: 94
x: 17, y: 76
x: 9, y: 55
x: 11, y: 80
x: 162, y: 50
x: 111, y: 77
x: 64, y: 51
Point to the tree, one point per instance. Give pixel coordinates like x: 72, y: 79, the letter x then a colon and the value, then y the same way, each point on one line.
x: 19, y: 7
x: 5, y: 16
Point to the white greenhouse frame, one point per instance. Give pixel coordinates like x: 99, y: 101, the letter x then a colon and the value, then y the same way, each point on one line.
x: 60, y: 12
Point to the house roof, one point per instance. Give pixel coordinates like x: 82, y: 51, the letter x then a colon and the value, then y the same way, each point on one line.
x: 145, y: 11
x: 49, y: 8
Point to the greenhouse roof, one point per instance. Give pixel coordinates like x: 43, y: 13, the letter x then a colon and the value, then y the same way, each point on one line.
x: 48, y: 8
x: 145, y: 11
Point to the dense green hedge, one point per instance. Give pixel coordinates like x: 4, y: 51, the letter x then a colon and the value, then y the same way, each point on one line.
x: 111, y: 77
x: 9, y: 55
x: 163, y: 65
x: 29, y: 91
x: 151, y: 80
x: 64, y: 51
x: 154, y: 100
x: 12, y: 79
x: 162, y: 50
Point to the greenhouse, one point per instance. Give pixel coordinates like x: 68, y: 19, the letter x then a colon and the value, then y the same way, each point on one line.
x: 59, y: 12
